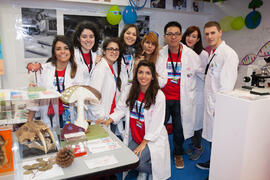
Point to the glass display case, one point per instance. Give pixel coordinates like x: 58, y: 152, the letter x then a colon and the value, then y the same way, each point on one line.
x: 31, y: 138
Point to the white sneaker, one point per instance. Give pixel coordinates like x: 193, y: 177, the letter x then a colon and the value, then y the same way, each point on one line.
x: 125, y: 173
x: 142, y: 176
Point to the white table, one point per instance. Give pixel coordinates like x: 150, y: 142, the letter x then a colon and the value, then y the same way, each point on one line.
x: 241, y: 143
x: 127, y: 160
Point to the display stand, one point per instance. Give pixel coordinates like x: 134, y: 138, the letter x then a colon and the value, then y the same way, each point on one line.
x: 240, y: 144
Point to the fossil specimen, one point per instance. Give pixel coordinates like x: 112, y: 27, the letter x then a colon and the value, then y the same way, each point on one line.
x: 32, y: 131
x: 3, y: 155
x: 41, y: 165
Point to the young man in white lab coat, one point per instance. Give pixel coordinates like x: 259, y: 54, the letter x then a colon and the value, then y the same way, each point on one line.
x: 180, y: 90
x: 220, y: 76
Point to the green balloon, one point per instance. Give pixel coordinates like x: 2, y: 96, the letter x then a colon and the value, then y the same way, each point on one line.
x: 238, y: 23
x: 225, y: 23
x: 114, y: 15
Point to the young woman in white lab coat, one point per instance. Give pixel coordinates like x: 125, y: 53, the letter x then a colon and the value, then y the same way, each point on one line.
x: 131, y: 47
x: 193, y: 39
x: 106, y: 79
x: 143, y: 105
x: 85, y: 40
x: 150, y: 52
x: 58, y: 73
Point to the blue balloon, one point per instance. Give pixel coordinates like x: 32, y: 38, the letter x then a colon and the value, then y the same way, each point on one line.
x: 129, y: 15
x: 253, y: 19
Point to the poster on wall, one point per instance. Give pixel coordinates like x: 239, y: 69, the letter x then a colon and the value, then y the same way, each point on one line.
x: 106, y: 30
x: 142, y: 23
x: 38, y: 28
x: 158, y: 4
x: 180, y: 5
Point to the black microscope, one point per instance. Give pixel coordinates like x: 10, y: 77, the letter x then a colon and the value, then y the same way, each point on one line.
x: 259, y: 82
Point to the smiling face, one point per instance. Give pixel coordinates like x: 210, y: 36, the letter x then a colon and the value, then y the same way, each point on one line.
x: 192, y: 39
x: 111, y: 53
x: 173, y: 36
x: 213, y: 36
x: 130, y: 36
x: 87, y: 40
x: 144, y: 76
x: 62, y: 52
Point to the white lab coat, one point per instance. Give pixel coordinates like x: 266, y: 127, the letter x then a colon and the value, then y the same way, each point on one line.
x: 221, y: 77
x: 126, y: 73
x: 190, y: 67
x: 198, y: 124
x: 103, y: 80
x: 161, y: 68
x: 46, y: 79
x: 155, y: 132
x: 81, y: 64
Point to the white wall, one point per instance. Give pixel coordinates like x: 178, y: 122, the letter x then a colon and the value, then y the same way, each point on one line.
x: 12, y: 43
x: 245, y: 41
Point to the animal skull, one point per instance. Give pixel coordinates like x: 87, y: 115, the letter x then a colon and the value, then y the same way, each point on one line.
x: 32, y: 131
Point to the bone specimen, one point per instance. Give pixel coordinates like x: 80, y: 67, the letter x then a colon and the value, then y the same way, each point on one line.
x: 32, y: 131
x: 41, y: 165
x: 3, y: 155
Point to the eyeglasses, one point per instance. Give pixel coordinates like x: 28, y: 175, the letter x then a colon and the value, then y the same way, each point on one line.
x: 177, y: 34
x: 112, y: 49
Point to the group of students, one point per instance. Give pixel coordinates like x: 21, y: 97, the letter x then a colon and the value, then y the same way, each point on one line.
x: 143, y: 86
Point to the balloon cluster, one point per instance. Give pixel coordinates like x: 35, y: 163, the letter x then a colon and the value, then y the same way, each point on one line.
x: 114, y: 15
x: 252, y: 20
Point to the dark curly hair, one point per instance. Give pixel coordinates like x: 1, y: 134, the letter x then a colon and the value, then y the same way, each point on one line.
x: 79, y: 29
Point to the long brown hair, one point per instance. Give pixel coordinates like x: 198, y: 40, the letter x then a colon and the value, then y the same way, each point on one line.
x: 68, y: 42
x: 136, y: 45
x: 152, y: 38
x: 151, y: 92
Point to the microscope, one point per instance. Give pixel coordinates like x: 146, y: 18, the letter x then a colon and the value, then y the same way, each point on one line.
x: 260, y: 81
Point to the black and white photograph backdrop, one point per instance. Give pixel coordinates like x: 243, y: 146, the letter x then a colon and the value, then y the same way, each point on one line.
x: 106, y: 30
x: 158, y: 4
x: 180, y: 5
x: 142, y: 23
x: 39, y: 27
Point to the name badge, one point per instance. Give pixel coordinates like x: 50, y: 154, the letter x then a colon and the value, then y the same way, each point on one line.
x: 128, y: 58
x: 139, y: 124
x: 174, y: 80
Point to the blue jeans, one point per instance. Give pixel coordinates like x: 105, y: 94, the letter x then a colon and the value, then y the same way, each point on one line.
x: 145, y: 159
x: 173, y: 109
